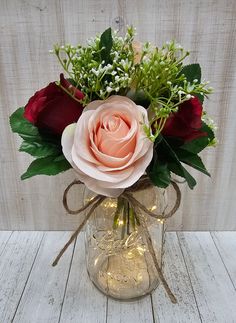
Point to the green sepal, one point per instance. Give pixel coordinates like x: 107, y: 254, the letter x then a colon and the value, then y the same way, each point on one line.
x: 50, y: 165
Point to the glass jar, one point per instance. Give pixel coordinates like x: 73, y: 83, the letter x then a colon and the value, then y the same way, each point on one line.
x: 118, y: 259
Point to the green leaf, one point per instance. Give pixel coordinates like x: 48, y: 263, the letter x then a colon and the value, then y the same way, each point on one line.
x: 39, y: 148
x: 50, y: 165
x: 139, y: 97
x: 160, y: 174
x: 179, y: 170
x: 105, y: 44
x: 174, y: 165
x: 192, y: 160
x: 192, y: 72
x: 197, y: 145
x: 23, y: 127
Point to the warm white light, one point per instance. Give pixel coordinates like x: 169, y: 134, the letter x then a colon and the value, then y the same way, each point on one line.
x: 153, y: 208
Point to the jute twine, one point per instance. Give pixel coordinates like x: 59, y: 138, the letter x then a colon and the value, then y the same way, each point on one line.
x: 143, y: 184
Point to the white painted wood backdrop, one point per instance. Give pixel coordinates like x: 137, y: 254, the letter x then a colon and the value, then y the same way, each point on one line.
x: 29, y: 28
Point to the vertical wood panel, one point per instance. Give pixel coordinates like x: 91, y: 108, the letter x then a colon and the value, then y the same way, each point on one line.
x: 29, y: 29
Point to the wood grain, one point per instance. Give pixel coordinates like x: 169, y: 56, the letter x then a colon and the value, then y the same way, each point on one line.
x: 16, y: 262
x: 177, y: 276
x: 30, y: 28
x: 133, y: 312
x: 226, y: 245
x: 198, y: 270
x: 213, y: 289
x: 46, y: 285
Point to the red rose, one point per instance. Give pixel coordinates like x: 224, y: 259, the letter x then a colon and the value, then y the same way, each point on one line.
x: 52, y: 109
x: 186, y: 122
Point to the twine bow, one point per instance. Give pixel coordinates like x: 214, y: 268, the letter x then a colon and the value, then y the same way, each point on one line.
x: 138, y: 207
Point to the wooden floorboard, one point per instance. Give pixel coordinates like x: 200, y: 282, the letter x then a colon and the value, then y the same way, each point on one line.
x: 44, y: 293
x: 4, y: 237
x: 226, y: 245
x: 177, y: 276
x: 16, y: 262
x: 200, y: 268
x: 213, y: 289
x: 139, y: 311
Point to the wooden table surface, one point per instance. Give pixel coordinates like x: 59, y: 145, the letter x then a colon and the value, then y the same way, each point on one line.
x: 200, y: 268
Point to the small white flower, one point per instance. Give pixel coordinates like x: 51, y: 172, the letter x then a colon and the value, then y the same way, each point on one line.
x: 109, y: 89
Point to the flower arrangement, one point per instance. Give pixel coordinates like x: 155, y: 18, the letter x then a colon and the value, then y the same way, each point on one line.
x: 125, y: 109
x: 127, y: 117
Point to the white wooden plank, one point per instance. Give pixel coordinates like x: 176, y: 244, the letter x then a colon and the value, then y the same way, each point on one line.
x: 206, y: 28
x: 43, y: 295
x: 226, y: 244
x: 83, y: 303
x: 15, y: 265
x: 4, y: 237
x: 139, y: 311
x: 177, y: 277
x: 214, y: 292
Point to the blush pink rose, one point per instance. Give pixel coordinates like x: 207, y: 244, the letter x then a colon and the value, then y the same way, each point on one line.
x: 107, y: 146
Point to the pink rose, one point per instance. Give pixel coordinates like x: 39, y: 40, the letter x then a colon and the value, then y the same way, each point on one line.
x: 108, y: 147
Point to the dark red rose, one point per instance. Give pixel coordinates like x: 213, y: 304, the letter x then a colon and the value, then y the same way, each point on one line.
x: 52, y: 109
x: 186, y: 122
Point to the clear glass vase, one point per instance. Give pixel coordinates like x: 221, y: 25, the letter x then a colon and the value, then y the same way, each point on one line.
x: 118, y: 258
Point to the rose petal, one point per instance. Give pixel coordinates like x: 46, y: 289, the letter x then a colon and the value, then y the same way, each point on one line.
x: 67, y: 140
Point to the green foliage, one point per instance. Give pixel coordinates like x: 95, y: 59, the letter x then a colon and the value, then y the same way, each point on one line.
x: 164, y: 162
x: 104, y: 67
x: 166, y: 83
x: 47, y: 150
x: 174, y: 164
x: 23, y: 127
x: 193, y: 75
x: 105, y: 45
x: 192, y: 72
x: 197, y: 145
x: 159, y: 174
x: 39, y: 148
x: 192, y: 160
x: 50, y: 165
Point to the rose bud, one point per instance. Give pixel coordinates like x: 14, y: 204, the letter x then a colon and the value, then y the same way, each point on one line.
x: 186, y: 123
x: 52, y: 109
